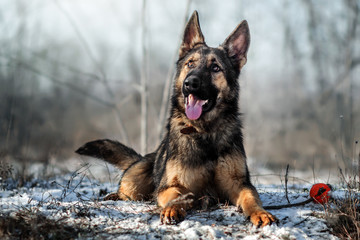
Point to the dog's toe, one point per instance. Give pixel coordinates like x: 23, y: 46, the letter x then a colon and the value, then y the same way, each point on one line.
x: 262, y: 218
x: 172, y: 215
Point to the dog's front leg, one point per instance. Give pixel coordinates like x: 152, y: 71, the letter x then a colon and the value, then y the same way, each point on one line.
x: 245, y: 196
x: 248, y: 200
x: 232, y: 180
x: 174, y: 202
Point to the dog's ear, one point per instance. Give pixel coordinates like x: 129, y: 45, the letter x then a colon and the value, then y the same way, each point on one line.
x: 237, y: 44
x: 192, y: 35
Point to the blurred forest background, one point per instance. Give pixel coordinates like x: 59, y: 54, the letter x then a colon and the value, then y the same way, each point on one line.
x: 72, y: 71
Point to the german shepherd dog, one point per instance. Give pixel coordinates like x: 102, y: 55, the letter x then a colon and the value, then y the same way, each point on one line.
x: 201, y: 159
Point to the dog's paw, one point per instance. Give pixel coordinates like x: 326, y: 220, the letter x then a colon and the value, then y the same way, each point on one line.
x: 112, y: 197
x: 171, y: 215
x: 262, y: 218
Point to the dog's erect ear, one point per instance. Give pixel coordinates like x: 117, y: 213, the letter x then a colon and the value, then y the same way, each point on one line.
x: 237, y: 44
x: 192, y: 35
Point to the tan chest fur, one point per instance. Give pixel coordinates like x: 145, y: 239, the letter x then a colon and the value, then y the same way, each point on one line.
x: 194, y: 179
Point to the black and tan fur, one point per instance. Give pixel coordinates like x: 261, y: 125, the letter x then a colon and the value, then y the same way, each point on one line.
x: 199, y: 161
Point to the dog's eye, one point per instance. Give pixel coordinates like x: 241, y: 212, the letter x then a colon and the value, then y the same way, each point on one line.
x: 191, y: 64
x: 215, y: 68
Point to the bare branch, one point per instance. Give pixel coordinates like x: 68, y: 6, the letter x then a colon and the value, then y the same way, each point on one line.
x: 71, y: 86
x: 144, y: 87
x: 64, y: 65
x: 355, y: 62
x: 169, y: 78
x: 98, y: 66
x: 350, y: 61
x: 82, y: 39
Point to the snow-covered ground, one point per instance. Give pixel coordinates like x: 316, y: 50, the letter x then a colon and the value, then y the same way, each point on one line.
x: 75, y: 200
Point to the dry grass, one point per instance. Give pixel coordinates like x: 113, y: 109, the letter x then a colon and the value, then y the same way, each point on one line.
x: 5, y: 172
x: 344, y: 218
x: 30, y: 224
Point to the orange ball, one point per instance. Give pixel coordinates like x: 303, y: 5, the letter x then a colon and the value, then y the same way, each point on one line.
x: 320, y: 193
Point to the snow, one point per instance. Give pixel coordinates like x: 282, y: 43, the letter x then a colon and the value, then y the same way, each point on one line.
x: 75, y: 199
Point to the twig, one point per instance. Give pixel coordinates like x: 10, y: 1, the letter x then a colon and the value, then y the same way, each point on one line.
x: 279, y: 175
x: 302, y: 221
x: 313, y: 169
x: 286, y: 181
x: 288, y: 205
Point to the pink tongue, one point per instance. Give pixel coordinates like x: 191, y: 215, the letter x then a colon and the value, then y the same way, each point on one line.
x: 193, y: 107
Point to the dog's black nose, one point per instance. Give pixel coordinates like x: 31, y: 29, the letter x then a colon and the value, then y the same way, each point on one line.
x: 192, y: 84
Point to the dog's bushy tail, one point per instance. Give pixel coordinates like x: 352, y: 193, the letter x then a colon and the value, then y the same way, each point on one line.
x: 110, y: 151
x: 137, y: 181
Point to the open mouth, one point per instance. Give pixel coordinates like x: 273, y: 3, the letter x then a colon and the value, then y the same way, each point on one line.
x: 194, y: 106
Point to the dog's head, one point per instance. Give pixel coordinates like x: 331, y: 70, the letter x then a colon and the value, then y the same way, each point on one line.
x: 206, y: 82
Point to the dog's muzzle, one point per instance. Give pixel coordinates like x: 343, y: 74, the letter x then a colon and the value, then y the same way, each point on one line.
x: 193, y: 103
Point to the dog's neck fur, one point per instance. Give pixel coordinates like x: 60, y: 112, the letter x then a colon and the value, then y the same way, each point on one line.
x: 200, y: 129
